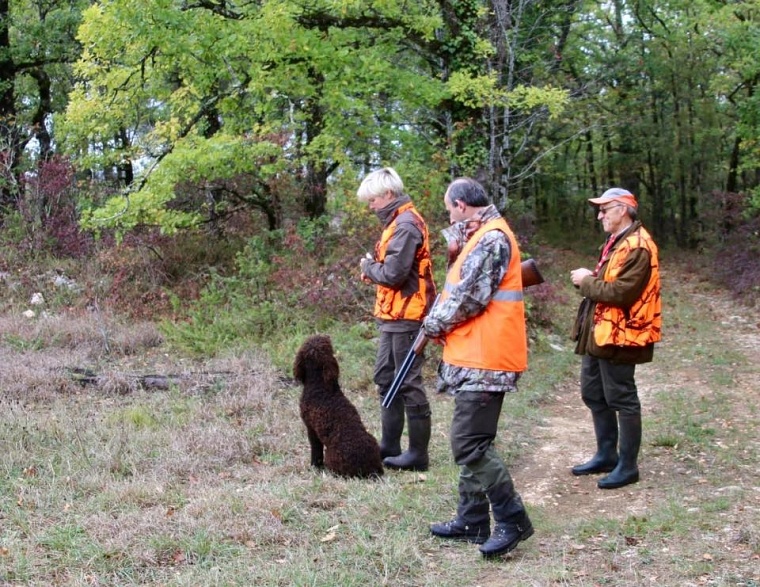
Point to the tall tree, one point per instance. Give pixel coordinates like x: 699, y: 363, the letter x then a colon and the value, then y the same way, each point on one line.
x: 734, y: 28
x: 499, y: 57
x: 239, y: 99
x: 37, y: 48
x: 643, y: 70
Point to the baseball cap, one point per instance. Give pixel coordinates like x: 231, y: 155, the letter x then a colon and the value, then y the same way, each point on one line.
x: 615, y: 195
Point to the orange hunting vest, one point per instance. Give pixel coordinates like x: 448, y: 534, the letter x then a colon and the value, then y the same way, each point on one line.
x: 390, y: 304
x: 641, y: 324
x: 496, y: 339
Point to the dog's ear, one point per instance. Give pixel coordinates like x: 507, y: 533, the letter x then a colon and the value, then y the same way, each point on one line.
x: 298, y: 367
x: 330, y: 369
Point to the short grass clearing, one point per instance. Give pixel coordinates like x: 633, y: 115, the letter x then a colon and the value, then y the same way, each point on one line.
x: 207, y: 482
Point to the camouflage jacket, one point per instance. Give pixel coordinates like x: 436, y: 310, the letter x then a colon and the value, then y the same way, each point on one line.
x: 482, y: 271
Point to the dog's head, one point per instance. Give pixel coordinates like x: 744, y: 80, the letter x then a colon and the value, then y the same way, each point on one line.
x: 316, y: 356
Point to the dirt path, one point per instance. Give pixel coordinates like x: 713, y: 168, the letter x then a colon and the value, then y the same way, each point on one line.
x: 566, y: 436
x: 667, y: 473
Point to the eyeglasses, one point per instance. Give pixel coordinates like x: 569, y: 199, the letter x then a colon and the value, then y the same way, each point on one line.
x: 604, y: 211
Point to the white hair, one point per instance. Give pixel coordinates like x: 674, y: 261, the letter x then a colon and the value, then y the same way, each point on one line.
x: 379, y: 182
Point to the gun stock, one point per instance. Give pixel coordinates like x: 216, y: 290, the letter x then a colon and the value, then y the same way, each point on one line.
x: 530, y: 273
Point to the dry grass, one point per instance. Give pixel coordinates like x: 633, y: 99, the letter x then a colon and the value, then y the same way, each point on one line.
x: 206, y: 482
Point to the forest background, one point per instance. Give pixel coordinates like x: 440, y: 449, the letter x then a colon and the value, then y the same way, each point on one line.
x: 141, y: 124
x: 178, y: 179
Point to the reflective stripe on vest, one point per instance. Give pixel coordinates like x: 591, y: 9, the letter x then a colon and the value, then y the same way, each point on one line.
x: 500, y: 296
x: 495, y: 340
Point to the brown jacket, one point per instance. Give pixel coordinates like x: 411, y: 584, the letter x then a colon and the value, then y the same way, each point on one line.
x: 630, y: 283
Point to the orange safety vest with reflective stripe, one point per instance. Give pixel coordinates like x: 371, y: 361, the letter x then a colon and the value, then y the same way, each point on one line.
x: 641, y: 324
x: 390, y: 303
x: 495, y: 340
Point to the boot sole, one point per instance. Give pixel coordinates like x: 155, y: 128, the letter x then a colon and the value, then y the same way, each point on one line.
x: 509, y: 547
x: 582, y: 472
x: 389, y: 455
x: 405, y: 467
x: 471, y: 539
x: 601, y: 485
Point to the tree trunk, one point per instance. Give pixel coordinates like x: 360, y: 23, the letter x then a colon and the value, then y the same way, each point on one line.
x: 10, y: 150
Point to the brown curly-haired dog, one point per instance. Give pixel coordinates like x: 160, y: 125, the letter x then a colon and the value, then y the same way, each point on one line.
x: 338, y: 438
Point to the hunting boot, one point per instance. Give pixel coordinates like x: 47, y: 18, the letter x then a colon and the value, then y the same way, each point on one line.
x: 512, y: 524
x: 627, y: 470
x: 392, y: 420
x: 606, y: 457
x: 472, y: 522
x: 416, y: 458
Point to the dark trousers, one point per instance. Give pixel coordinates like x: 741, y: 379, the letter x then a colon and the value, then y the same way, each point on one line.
x: 391, y: 352
x: 609, y: 386
x: 473, y: 430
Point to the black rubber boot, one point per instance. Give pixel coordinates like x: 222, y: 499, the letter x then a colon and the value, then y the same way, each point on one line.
x: 473, y: 521
x: 606, y: 457
x: 627, y: 470
x: 392, y: 420
x: 416, y: 458
x: 512, y: 522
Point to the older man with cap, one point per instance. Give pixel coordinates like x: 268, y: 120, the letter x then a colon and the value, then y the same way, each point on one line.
x: 618, y: 323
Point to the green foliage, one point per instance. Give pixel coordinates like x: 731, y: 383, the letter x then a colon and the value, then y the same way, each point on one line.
x: 257, y: 90
x: 38, y: 50
x: 194, y: 160
x: 485, y: 91
x: 288, y: 284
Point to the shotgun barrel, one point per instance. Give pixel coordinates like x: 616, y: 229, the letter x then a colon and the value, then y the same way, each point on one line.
x: 417, y: 347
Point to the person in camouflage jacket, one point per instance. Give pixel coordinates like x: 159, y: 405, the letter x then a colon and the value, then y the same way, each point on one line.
x: 482, y: 296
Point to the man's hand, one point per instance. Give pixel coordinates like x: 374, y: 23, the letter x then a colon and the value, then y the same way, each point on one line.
x: 578, y: 275
x: 431, y: 324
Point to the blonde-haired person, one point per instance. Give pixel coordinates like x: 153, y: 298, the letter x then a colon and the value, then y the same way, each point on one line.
x: 619, y: 321
x: 401, y: 270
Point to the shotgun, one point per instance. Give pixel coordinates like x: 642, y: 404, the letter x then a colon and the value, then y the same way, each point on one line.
x: 417, y: 347
x: 530, y: 276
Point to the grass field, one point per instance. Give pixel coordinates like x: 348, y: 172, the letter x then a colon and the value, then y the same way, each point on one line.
x: 206, y: 480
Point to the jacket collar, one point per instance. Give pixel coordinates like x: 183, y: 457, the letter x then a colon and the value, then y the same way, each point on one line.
x: 387, y: 214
